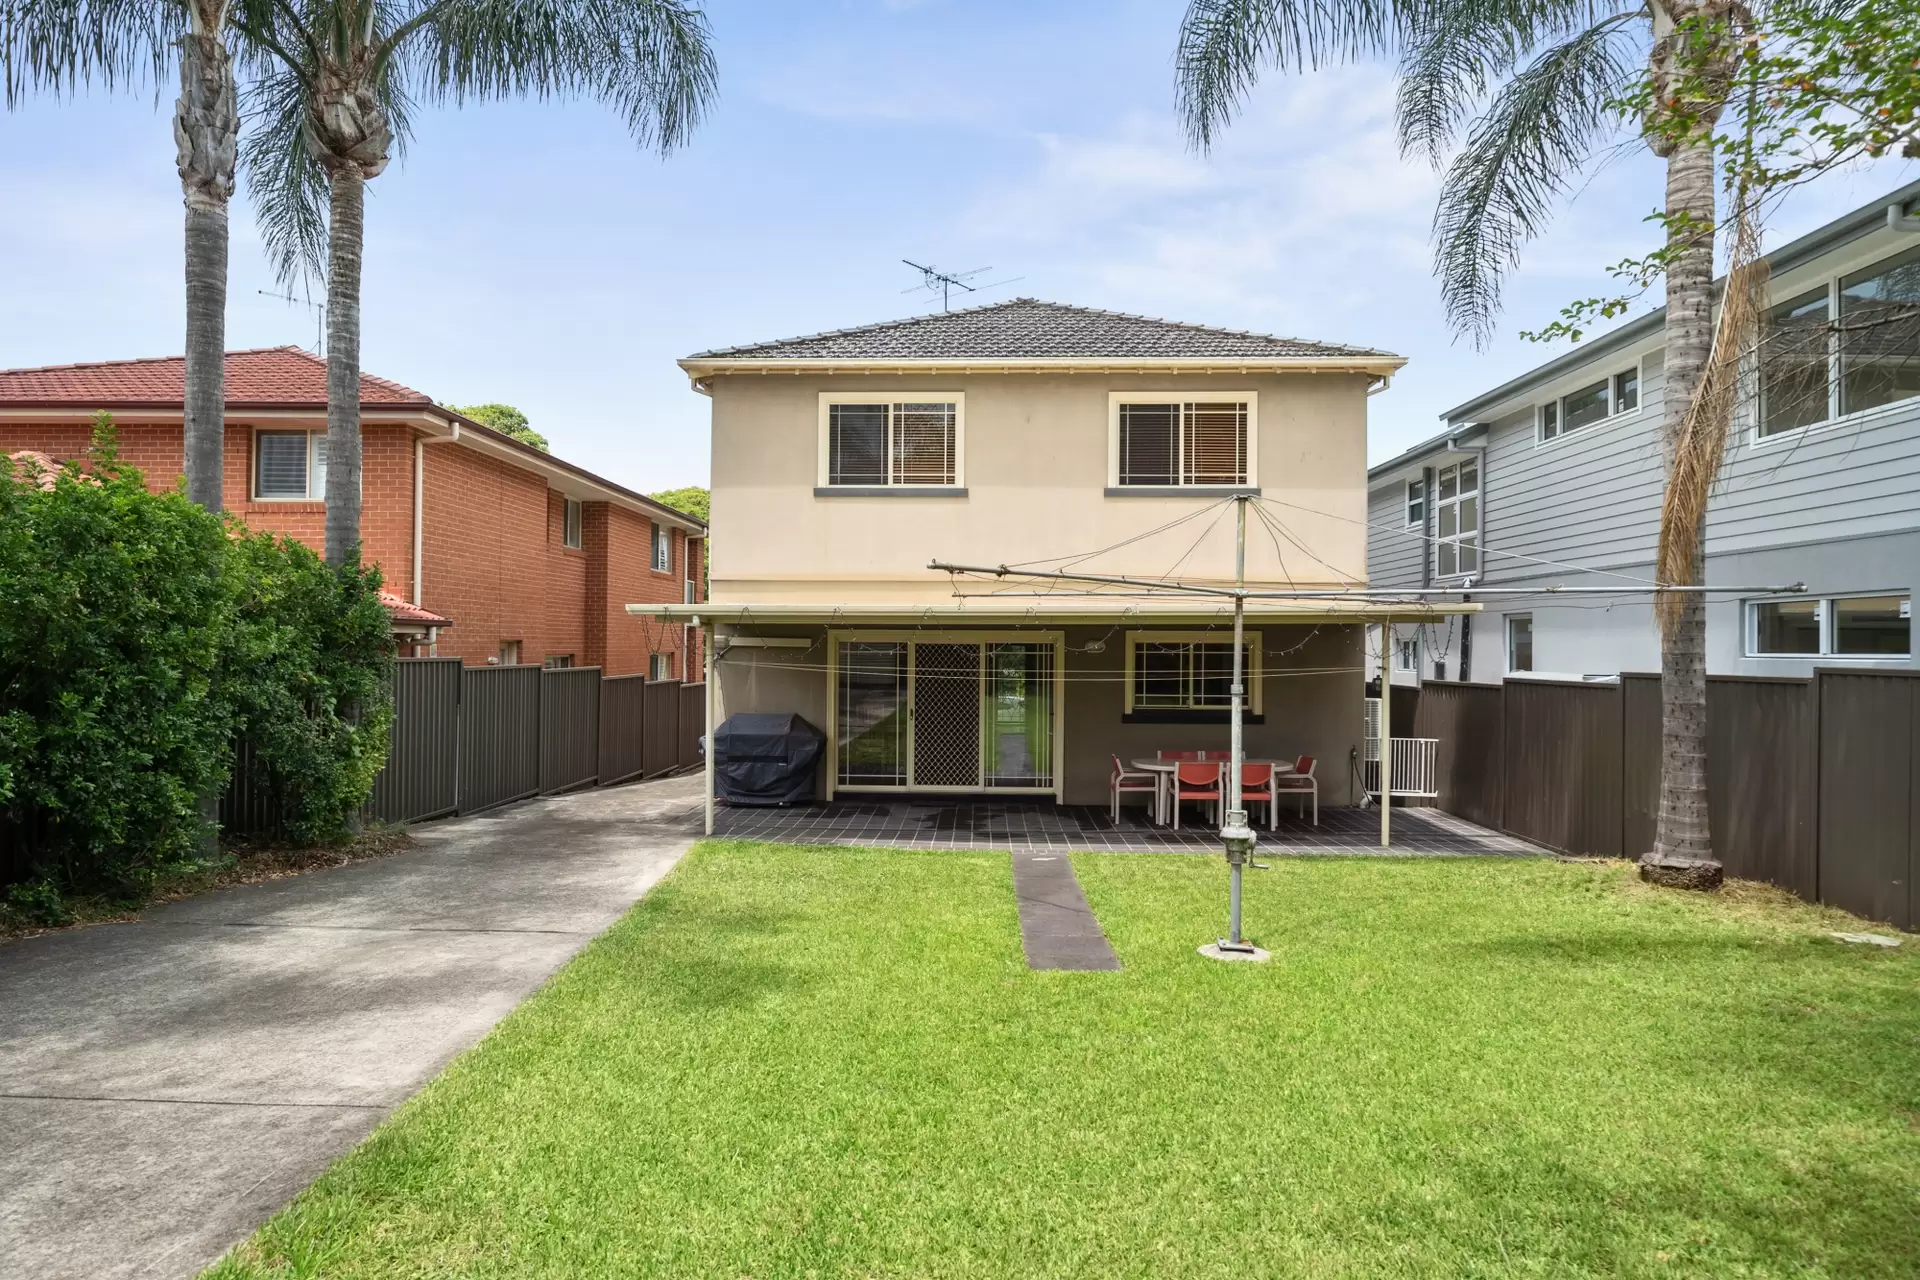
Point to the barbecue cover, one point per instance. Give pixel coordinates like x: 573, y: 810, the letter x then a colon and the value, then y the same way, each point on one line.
x: 765, y: 759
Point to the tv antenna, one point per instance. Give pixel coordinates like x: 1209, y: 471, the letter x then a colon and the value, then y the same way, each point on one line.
x: 945, y: 282
x: 319, y: 317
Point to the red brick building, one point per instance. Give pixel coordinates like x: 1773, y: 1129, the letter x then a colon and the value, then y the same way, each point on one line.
x: 530, y: 558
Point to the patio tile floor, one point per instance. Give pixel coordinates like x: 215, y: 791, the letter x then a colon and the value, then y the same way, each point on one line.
x: 970, y: 823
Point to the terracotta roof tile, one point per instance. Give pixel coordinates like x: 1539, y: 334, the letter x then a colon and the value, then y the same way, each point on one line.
x: 401, y: 611
x: 1029, y: 329
x: 266, y: 376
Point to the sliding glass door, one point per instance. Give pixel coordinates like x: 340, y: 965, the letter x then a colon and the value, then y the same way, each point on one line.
x: 961, y: 712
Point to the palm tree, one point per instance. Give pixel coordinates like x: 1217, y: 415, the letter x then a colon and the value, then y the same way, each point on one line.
x: 1536, y: 86
x: 62, y: 44
x: 331, y: 83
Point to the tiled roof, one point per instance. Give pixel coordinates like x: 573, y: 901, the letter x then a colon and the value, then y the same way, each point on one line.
x: 266, y: 376
x: 30, y: 466
x: 400, y: 611
x: 1028, y: 329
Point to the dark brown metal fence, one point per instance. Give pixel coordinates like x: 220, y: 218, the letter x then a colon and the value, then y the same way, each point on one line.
x: 499, y: 736
x: 422, y: 774
x: 693, y: 723
x: 1814, y: 784
x: 623, y: 739
x: 569, y: 728
x: 662, y: 732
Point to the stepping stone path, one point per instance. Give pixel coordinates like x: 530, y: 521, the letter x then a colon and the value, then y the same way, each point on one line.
x: 1057, y: 927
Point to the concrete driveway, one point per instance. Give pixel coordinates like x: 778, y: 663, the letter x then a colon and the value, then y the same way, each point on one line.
x: 165, y: 1086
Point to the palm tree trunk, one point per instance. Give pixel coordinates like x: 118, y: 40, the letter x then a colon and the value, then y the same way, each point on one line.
x: 206, y: 129
x: 347, y: 233
x: 1683, y: 844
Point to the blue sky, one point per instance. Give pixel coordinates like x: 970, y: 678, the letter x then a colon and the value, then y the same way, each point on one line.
x: 529, y: 253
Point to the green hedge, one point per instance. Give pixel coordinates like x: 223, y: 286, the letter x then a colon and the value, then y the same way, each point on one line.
x: 140, y: 638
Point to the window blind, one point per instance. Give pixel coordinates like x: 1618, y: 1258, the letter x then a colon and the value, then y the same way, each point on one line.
x: 1149, y: 444
x: 1215, y: 444
x: 857, y: 444
x: 280, y: 460
x: 1199, y: 442
x: 922, y: 443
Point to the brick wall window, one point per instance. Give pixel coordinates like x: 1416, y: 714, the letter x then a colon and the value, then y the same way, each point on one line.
x: 570, y: 523
x: 509, y: 653
x: 290, y: 466
x: 662, y: 549
x: 558, y: 661
x: 659, y: 667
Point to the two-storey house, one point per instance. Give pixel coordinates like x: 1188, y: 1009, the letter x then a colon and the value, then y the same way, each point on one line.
x: 1040, y: 436
x: 1556, y: 477
x: 491, y: 551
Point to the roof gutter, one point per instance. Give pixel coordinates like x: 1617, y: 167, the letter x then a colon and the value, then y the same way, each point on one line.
x: 1377, y: 365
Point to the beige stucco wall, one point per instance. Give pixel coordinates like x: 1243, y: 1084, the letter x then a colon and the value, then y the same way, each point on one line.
x: 1312, y: 696
x: 1035, y: 467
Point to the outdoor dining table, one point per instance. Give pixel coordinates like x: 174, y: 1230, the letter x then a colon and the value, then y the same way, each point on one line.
x: 1163, y: 771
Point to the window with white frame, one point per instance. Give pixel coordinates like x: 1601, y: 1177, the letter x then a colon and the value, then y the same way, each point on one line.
x: 290, y: 465
x: 1416, y: 503
x: 1456, y: 520
x: 1166, y: 442
x: 570, y: 523
x: 1878, y: 626
x: 1406, y: 655
x: 1848, y: 345
x: 662, y: 549
x: 509, y: 653
x: 882, y: 442
x: 1188, y: 671
x: 1519, y: 642
x: 657, y: 667
x: 1582, y: 407
x: 558, y: 662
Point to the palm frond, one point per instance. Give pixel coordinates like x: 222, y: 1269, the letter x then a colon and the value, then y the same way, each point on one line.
x: 1455, y: 51
x: 285, y: 183
x: 62, y: 45
x: 651, y: 60
x: 1224, y: 44
x: 1538, y: 132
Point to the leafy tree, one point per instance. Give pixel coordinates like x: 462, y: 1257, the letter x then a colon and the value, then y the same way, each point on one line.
x: 691, y: 500
x: 505, y: 419
x: 332, y: 83
x: 62, y: 44
x: 1532, y: 91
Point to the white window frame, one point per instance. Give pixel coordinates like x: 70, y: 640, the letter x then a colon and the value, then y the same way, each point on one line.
x: 1435, y: 501
x: 572, y: 521
x: 660, y: 548
x: 513, y: 649
x: 958, y: 399
x: 1558, y: 404
x: 1254, y: 701
x: 253, y: 479
x: 1825, y: 616
x: 1406, y: 654
x: 1828, y: 282
x: 658, y: 667
x: 1506, y: 627
x: 1184, y: 397
x: 1419, y: 501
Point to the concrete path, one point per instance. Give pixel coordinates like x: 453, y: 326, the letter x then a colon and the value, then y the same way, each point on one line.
x: 1057, y: 927
x: 165, y: 1086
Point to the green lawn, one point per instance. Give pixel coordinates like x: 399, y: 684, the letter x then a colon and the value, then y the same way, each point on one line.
x: 826, y: 1062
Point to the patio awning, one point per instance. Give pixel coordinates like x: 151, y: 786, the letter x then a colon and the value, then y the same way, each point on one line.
x: 1078, y: 609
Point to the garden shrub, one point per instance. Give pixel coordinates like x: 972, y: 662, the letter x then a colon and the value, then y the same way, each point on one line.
x: 309, y: 673
x: 114, y: 605
x: 141, y: 639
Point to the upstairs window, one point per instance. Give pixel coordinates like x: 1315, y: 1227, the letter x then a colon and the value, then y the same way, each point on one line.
x: 1456, y: 527
x: 662, y: 549
x: 1183, y: 443
x: 1593, y: 403
x: 1416, y: 503
x: 909, y: 443
x: 1849, y: 345
x: 570, y: 523
x: 290, y: 465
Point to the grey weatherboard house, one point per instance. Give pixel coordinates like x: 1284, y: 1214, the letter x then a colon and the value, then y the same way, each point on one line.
x: 1821, y: 485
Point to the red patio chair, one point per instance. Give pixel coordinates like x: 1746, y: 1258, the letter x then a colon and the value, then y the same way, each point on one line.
x: 1256, y: 784
x: 1178, y: 755
x: 1195, y: 780
x: 1302, y: 783
x: 1222, y: 756
x: 1125, y: 780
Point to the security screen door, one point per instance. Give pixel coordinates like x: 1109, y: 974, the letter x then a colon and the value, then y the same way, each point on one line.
x: 946, y: 715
